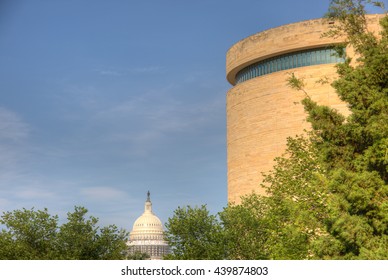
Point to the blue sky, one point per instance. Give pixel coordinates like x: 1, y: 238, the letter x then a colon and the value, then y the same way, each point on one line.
x: 101, y: 101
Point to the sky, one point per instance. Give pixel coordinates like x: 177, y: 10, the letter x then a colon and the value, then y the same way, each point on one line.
x: 103, y: 100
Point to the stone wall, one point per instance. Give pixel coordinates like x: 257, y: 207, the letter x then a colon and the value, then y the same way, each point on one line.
x: 262, y: 112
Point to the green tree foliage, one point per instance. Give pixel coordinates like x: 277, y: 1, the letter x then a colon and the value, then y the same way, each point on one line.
x: 194, y: 234
x: 30, y: 234
x: 246, y: 229
x: 351, y: 152
x: 296, y: 205
x: 35, y: 234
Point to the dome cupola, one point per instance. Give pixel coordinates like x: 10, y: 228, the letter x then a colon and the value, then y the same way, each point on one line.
x: 148, y: 222
x: 147, y: 234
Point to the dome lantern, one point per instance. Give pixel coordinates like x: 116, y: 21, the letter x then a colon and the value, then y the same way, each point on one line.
x: 147, y: 234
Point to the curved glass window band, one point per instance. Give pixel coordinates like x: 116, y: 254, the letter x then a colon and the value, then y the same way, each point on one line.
x: 289, y: 61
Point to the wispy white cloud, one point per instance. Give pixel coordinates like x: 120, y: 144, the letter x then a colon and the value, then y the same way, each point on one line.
x: 102, y: 193
x: 13, y: 135
x: 126, y: 72
x: 114, y: 205
x: 143, y: 120
x: 146, y: 69
x: 35, y: 193
x: 28, y: 192
x: 4, y: 203
x: 109, y: 72
x: 12, y: 127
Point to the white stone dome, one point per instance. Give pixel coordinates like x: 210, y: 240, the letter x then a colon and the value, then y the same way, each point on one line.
x: 148, y: 226
x: 147, y: 222
x: 147, y: 234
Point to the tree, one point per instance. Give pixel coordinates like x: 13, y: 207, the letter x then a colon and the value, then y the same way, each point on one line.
x: 193, y: 233
x: 35, y: 234
x: 296, y: 200
x: 246, y: 229
x: 81, y: 238
x: 352, y: 151
x: 30, y: 234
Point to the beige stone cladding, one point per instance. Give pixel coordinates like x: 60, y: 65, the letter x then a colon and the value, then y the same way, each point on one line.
x: 261, y: 114
x: 263, y: 111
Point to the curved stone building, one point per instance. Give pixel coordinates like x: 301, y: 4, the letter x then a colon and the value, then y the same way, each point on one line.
x: 147, y: 234
x: 262, y: 111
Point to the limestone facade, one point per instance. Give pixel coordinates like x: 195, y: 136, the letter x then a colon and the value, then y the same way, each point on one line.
x: 263, y: 111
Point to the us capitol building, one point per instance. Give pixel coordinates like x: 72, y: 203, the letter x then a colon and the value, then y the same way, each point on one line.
x: 147, y: 234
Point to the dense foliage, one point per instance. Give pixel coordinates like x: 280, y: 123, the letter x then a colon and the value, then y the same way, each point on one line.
x: 36, y: 235
x: 328, y: 195
x: 194, y: 234
x: 353, y: 151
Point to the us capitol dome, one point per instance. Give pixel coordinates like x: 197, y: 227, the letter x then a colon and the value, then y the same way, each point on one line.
x: 147, y: 234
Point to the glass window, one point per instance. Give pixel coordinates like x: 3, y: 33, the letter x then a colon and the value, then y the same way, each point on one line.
x: 308, y: 58
x: 288, y: 61
x: 294, y: 61
x: 298, y: 60
x: 278, y: 64
x: 303, y: 62
x: 319, y: 58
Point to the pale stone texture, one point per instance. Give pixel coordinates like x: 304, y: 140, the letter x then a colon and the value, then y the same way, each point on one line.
x: 262, y: 112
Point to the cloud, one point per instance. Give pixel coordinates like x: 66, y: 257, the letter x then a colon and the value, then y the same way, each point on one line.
x: 146, y: 69
x: 11, y: 126
x: 13, y: 134
x: 110, y: 205
x: 28, y: 192
x: 102, y: 193
x: 135, y: 70
x: 129, y: 122
x: 108, y: 72
x: 35, y: 193
x: 145, y: 121
x: 4, y: 203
